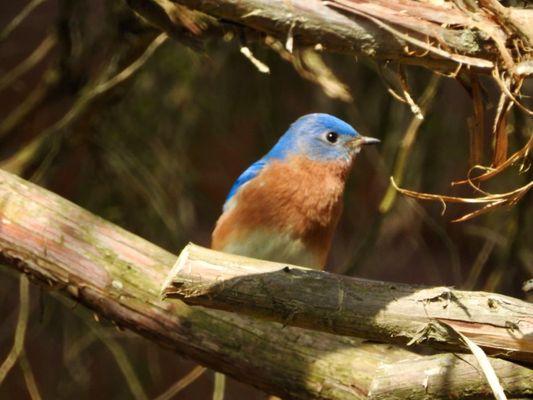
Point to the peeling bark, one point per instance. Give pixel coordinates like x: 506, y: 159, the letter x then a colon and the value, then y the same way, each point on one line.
x: 437, y: 36
x: 383, y: 311
x: 119, y: 276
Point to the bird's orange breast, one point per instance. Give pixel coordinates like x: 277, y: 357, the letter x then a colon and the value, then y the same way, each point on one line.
x: 298, y: 197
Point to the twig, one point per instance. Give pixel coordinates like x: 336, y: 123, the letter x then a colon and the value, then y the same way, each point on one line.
x: 407, y: 143
x: 15, y: 22
x: 122, y: 361
x: 507, y: 91
x: 29, y: 377
x: 28, y: 105
x: 20, y: 330
x: 261, y: 66
x: 219, y: 386
x: 310, y: 65
x: 479, y: 263
x: 477, y: 126
x: 33, y: 59
x: 483, y: 362
x: 491, y: 172
x: 81, y: 103
x: 415, y: 109
x: 499, y: 131
x: 177, y: 387
x: 127, y: 72
x: 92, y: 92
x: 491, y: 201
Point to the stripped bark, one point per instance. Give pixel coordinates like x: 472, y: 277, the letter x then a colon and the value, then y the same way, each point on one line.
x: 440, y: 36
x: 387, y: 312
x: 119, y: 276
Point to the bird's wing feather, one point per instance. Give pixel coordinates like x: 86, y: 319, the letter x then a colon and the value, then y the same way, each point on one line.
x: 252, y: 171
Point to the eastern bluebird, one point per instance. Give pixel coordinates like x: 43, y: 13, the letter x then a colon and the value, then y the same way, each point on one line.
x: 285, y: 207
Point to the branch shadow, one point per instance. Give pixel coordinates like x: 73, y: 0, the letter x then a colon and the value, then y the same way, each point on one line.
x: 363, y: 368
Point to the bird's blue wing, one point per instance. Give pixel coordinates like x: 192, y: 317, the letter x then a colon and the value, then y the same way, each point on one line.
x: 252, y: 171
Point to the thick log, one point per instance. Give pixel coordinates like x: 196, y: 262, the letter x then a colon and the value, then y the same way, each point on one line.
x: 385, y: 30
x: 383, y: 311
x: 119, y: 276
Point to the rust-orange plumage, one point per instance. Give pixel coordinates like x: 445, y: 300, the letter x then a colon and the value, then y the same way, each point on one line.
x: 286, y: 206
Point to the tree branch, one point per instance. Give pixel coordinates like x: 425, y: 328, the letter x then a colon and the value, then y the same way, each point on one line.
x: 119, y: 276
x: 439, y: 37
x: 387, y: 312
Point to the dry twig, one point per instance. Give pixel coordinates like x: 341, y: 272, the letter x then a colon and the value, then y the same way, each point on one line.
x: 20, y: 330
x: 187, y: 380
x: 21, y: 16
x: 490, y: 201
x: 31, y: 61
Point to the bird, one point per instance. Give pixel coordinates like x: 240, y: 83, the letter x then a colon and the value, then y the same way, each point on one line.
x: 285, y: 207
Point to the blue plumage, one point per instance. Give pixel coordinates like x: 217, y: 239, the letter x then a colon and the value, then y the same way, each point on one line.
x: 285, y: 206
x: 304, y: 137
x: 246, y: 176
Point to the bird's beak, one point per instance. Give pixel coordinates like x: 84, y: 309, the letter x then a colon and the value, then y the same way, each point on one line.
x: 369, y: 140
x: 362, y: 141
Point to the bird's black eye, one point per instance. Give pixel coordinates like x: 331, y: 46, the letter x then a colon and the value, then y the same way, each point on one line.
x: 332, y: 137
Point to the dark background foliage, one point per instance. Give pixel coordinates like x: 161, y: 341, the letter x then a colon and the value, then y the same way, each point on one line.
x: 158, y: 153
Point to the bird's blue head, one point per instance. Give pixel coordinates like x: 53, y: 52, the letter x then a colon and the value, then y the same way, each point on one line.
x: 320, y: 137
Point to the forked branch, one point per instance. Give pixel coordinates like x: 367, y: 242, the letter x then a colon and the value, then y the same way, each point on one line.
x: 119, y: 276
x: 382, y: 311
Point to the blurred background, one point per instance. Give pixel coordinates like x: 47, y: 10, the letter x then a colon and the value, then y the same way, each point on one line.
x: 150, y: 134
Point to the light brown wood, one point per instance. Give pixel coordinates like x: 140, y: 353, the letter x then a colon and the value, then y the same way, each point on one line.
x: 383, y: 311
x: 119, y: 276
x: 440, y: 36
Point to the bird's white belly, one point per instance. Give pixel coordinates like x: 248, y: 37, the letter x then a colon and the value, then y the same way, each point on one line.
x: 273, y: 247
